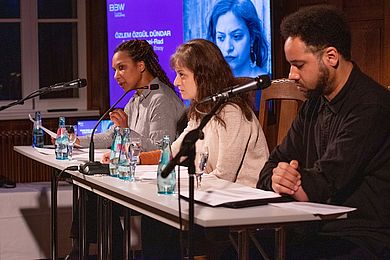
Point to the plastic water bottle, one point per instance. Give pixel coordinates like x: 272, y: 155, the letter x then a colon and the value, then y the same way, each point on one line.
x: 37, y: 131
x: 165, y: 185
x: 124, y: 160
x: 61, y: 144
x: 115, y: 152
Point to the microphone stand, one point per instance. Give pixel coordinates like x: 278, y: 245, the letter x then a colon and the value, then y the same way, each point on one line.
x: 34, y: 94
x: 188, y: 149
x: 42, y: 91
x: 91, y: 167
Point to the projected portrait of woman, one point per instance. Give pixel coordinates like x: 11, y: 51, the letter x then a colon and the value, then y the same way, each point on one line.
x: 235, y: 27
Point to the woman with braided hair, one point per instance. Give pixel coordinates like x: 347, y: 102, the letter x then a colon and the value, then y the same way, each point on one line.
x: 150, y: 114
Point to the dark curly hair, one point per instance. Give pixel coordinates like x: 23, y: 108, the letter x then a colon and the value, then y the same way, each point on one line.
x: 212, y: 74
x: 319, y: 27
x: 141, y: 50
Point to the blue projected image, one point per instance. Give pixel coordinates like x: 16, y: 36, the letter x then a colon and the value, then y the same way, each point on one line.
x: 240, y: 28
x: 85, y: 127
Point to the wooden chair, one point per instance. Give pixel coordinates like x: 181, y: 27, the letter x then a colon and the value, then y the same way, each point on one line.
x: 279, y: 105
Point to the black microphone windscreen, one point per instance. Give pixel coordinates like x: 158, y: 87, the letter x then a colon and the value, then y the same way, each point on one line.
x: 83, y: 83
x: 264, y: 81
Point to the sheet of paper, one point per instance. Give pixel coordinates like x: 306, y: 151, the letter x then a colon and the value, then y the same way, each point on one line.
x: 218, y: 197
x: 45, y: 150
x: 149, y: 172
x: 78, y: 154
x: 314, y: 208
x: 83, y: 154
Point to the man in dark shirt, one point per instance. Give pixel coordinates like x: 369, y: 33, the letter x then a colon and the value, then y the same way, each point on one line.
x: 337, y: 150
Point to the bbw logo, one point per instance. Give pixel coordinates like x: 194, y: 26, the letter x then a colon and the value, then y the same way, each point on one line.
x: 116, y: 7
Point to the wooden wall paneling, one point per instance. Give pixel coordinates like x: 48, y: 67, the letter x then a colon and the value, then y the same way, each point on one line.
x: 386, y: 44
x: 337, y: 3
x: 367, y: 49
x: 363, y: 10
x: 280, y: 8
x: 366, y: 18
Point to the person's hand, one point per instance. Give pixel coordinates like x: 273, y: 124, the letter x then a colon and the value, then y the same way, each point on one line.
x: 300, y: 195
x: 105, y: 158
x: 119, y: 117
x: 285, y: 178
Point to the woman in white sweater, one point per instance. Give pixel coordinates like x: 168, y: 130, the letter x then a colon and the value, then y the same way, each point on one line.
x: 233, y: 137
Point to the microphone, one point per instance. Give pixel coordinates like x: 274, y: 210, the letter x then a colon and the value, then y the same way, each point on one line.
x: 77, y: 83
x: 91, y: 167
x: 260, y: 82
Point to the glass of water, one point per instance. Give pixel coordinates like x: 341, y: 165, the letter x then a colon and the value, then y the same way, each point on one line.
x: 201, y: 166
x: 72, y: 138
x: 124, y: 161
x: 134, y: 151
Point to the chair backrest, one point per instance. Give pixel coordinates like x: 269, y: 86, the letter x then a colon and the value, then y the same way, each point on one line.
x: 279, y: 105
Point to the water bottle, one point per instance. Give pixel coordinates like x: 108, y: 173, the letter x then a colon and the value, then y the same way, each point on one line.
x: 37, y: 131
x: 165, y: 185
x: 124, y: 160
x: 61, y: 144
x: 115, y: 151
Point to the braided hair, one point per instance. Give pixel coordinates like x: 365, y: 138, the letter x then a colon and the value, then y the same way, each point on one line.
x: 141, y: 50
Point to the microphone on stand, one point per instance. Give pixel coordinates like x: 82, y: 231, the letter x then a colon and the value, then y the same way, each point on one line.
x: 77, y: 83
x: 260, y: 82
x: 91, y: 167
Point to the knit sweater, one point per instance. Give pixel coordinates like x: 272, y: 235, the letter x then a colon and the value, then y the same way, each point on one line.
x: 237, y: 152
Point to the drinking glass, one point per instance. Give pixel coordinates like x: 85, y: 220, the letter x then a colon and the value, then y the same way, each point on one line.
x: 116, y: 147
x: 135, y: 150
x: 201, y: 166
x: 124, y: 163
x: 72, y: 137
